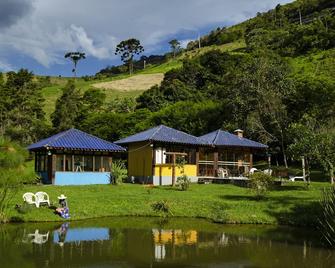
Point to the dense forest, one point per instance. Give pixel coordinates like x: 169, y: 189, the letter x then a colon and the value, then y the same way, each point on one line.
x: 280, y: 89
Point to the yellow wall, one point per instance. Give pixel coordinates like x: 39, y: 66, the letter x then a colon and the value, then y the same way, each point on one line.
x: 189, y: 170
x: 140, y: 159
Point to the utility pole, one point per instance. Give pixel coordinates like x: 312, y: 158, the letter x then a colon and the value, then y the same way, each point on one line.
x: 199, y: 41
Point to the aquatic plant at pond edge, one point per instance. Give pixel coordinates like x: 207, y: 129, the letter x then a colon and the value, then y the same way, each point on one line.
x: 327, y: 218
x: 162, y: 207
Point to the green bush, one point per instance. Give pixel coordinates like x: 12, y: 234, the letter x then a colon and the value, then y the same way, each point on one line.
x: 119, y: 172
x: 260, y: 184
x: 183, y: 182
x: 327, y: 218
x: 162, y: 207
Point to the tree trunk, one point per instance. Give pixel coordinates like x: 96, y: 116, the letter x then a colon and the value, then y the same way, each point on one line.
x: 283, y: 148
x: 300, y: 18
x: 331, y: 172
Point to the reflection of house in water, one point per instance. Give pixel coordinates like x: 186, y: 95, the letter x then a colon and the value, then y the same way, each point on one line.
x: 177, y: 237
x: 162, y: 238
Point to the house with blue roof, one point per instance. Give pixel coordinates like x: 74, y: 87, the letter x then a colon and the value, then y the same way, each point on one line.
x: 231, y: 153
x: 153, y: 155
x: 74, y: 157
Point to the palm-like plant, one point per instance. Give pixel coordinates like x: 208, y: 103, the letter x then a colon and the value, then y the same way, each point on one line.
x: 75, y: 57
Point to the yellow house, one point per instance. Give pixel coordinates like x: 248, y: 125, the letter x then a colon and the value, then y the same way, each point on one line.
x: 154, y: 155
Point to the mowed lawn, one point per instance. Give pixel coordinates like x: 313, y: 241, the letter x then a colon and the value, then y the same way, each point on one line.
x: 290, y: 204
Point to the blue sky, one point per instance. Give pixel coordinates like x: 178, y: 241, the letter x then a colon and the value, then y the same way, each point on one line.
x: 35, y: 34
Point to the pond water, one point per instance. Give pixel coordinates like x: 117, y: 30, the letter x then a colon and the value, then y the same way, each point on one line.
x: 148, y: 242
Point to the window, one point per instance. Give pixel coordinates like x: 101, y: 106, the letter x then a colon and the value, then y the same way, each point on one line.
x: 206, y: 155
x: 68, y: 163
x: 88, y: 163
x: 59, y: 162
x: 98, y: 166
x: 107, y: 161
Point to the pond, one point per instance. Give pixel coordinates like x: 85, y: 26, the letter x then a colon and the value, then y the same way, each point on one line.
x: 150, y: 242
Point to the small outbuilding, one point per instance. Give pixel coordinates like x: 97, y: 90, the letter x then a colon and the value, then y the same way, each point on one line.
x: 74, y: 157
x: 153, y: 155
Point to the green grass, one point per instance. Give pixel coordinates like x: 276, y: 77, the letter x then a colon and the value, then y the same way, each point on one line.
x: 289, y: 204
x: 320, y: 64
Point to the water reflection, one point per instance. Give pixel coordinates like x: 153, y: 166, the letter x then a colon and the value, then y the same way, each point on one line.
x: 135, y: 243
x: 64, y: 234
x: 36, y: 237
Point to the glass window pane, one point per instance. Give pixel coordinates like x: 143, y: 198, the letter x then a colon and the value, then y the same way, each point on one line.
x: 88, y: 163
x: 59, y: 162
x: 68, y: 163
x: 107, y: 161
x: 98, y: 165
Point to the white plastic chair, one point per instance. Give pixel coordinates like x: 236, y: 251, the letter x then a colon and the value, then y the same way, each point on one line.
x: 223, y: 173
x: 42, y: 198
x: 268, y: 172
x: 30, y: 198
x: 38, y: 238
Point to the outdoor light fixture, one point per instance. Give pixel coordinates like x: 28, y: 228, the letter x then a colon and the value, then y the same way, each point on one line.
x: 49, y: 153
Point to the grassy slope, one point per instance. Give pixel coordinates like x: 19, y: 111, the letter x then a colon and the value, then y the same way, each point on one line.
x: 320, y: 64
x: 289, y: 204
x: 53, y: 92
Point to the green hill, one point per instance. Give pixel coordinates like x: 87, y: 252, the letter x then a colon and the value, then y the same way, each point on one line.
x: 269, y: 29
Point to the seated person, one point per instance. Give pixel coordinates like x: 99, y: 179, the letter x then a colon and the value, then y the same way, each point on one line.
x: 63, y: 210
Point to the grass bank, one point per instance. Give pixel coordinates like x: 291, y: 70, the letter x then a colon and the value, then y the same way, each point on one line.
x: 291, y: 204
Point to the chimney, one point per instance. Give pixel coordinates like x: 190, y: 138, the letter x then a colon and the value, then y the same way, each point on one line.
x: 239, y: 132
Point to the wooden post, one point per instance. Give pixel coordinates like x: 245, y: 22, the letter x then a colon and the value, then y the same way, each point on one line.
x: 64, y: 162
x: 53, y: 168
x: 153, y: 163
x: 72, y: 162
x: 173, y: 170
x: 197, y: 161
x: 93, y: 166
x: 251, y: 160
x: 216, y: 166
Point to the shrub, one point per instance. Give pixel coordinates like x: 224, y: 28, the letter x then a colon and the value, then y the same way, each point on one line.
x: 183, y: 182
x: 162, y: 207
x: 327, y: 218
x: 118, y: 172
x: 260, y: 183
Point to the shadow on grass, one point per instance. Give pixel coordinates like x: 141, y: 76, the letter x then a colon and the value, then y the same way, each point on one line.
x: 298, y: 214
x: 286, y: 210
x: 289, y: 188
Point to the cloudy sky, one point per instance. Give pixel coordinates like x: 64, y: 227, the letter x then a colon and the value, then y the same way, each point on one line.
x: 35, y: 34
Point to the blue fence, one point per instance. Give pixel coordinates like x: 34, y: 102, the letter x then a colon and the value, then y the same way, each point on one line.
x: 81, y: 178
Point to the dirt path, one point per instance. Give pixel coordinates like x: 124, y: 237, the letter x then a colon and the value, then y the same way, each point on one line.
x: 136, y: 82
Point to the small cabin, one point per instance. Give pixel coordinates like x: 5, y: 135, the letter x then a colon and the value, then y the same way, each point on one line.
x: 153, y: 155
x: 74, y: 157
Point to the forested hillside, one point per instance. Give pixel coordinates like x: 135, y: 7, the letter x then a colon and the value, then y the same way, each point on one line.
x: 273, y: 76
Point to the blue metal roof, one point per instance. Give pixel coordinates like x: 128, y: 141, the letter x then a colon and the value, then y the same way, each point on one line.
x: 162, y: 134
x: 75, y: 139
x: 224, y: 138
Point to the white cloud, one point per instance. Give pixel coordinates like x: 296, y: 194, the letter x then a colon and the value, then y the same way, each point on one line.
x: 5, y: 66
x: 50, y: 28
